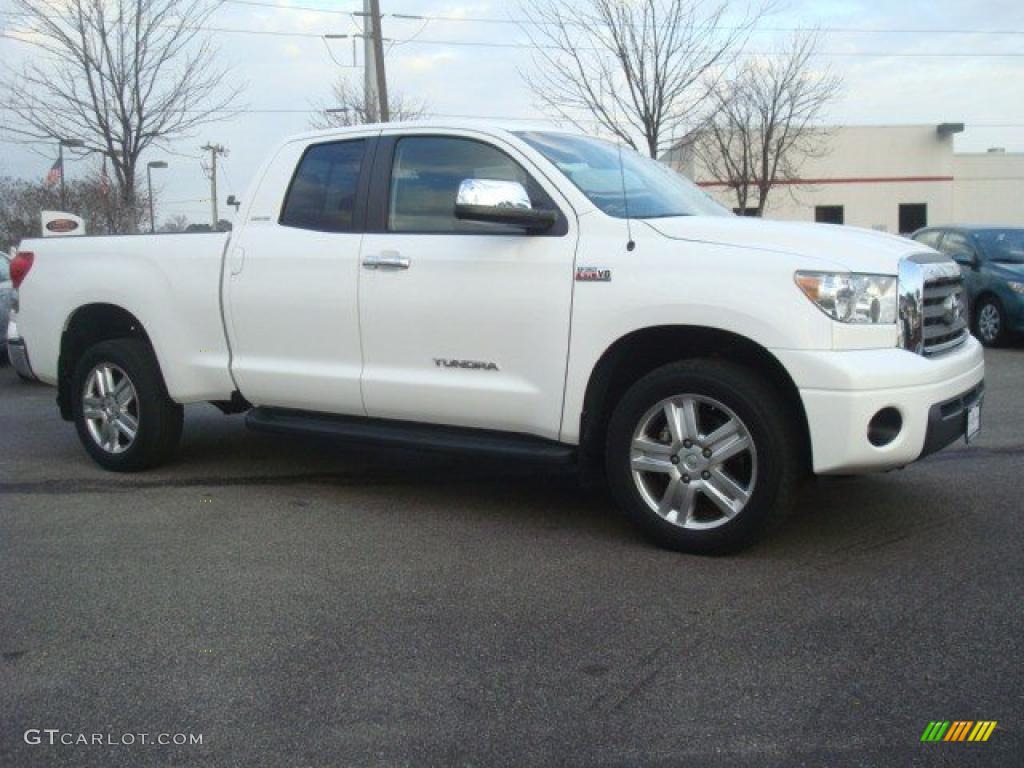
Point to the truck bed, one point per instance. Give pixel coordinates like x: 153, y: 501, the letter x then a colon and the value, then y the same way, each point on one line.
x: 169, y: 282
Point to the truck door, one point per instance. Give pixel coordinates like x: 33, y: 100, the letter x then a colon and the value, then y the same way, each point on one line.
x: 292, y: 285
x: 463, y: 323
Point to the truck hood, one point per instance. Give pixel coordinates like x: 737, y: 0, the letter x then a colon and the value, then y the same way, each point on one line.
x: 851, y: 248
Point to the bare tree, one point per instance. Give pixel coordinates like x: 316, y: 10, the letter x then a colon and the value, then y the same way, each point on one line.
x: 635, y: 68
x: 765, y: 125
x: 121, y: 76
x: 176, y: 223
x: 348, y: 107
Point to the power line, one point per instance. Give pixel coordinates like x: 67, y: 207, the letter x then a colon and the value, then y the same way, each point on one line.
x: 525, y: 45
x: 303, y: 8
x: 841, y: 30
x: 471, y: 116
x: 535, y: 22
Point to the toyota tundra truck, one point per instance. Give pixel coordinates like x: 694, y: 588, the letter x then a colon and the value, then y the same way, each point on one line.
x: 528, y: 293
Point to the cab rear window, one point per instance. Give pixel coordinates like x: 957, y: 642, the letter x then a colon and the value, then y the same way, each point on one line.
x: 322, y: 195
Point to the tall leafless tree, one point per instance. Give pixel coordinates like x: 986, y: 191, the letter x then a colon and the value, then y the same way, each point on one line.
x: 348, y: 107
x: 122, y: 76
x: 640, y: 70
x: 765, y: 125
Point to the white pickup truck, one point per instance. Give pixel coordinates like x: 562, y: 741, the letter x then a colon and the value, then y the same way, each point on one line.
x: 531, y: 293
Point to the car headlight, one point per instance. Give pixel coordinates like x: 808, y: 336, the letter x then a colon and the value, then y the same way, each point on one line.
x: 851, y: 298
x: 1016, y: 287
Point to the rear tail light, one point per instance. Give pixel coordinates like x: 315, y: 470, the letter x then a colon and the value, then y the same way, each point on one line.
x: 20, y: 265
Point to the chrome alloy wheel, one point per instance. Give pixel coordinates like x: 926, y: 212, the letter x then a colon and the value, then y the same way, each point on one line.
x: 693, y: 461
x: 110, y: 407
x: 988, y: 322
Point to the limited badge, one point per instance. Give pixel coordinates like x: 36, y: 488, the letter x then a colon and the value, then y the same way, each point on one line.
x: 593, y: 275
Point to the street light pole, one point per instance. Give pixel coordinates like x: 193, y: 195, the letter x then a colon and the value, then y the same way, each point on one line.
x: 149, y: 181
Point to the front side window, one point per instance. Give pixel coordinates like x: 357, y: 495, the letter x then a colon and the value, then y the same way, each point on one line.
x: 620, y: 181
x: 1003, y: 245
x: 322, y: 194
x: 425, y: 179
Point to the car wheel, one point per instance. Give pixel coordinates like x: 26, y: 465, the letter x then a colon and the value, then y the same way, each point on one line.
x: 989, y: 323
x: 124, y: 417
x: 702, y: 456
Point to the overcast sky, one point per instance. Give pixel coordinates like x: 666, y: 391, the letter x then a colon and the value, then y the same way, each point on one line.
x: 447, y: 66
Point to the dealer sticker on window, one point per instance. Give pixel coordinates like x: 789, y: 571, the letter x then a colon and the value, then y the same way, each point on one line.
x: 973, y: 422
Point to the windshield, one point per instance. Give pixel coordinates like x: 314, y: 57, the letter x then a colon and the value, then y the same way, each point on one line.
x: 653, y: 190
x: 1006, y: 245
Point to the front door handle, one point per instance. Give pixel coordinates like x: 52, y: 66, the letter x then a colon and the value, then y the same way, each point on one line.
x: 386, y: 260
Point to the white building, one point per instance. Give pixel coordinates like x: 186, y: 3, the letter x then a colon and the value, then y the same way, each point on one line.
x: 890, y: 178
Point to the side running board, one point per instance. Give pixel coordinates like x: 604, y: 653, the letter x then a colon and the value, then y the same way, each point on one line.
x: 407, y: 434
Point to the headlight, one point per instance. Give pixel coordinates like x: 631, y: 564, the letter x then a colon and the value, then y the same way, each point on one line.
x: 851, y: 298
x: 1016, y: 287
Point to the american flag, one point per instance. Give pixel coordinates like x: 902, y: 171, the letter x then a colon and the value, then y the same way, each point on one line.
x: 53, y: 177
x: 104, y: 180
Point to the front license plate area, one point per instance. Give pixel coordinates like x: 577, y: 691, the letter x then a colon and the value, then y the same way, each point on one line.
x: 973, y: 423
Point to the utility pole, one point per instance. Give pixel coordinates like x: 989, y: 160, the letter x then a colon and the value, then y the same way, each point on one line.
x: 214, y: 150
x: 375, y: 84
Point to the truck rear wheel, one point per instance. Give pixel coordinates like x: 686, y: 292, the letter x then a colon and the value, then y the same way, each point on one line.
x: 124, y: 417
x: 702, y: 456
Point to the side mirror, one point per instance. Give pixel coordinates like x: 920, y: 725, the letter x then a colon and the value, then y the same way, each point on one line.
x: 500, y: 202
x: 965, y: 259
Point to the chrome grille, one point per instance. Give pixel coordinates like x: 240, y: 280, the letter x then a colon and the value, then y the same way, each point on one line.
x: 932, y: 304
x: 945, y: 314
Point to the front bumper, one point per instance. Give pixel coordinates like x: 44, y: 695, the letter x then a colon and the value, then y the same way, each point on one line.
x: 840, y: 405
x: 17, y: 353
x: 947, y: 422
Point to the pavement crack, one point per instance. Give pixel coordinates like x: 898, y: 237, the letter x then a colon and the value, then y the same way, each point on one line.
x: 75, y: 486
x: 975, y: 452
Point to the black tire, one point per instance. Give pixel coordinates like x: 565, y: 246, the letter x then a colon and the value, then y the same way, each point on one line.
x: 1000, y: 337
x: 159, y: 418
x: 775, y: 466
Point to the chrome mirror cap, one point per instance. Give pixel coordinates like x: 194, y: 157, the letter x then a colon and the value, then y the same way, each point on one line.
x: 493, y: 193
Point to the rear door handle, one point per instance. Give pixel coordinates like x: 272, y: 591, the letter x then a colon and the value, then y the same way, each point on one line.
x: 386, y: 260
x: 237, y: 260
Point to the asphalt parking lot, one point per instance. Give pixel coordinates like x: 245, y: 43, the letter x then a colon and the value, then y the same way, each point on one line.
x: 300, y: 604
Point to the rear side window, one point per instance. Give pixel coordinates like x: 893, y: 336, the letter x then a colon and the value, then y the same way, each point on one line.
x: 322, y: 194
x: 425, y: 180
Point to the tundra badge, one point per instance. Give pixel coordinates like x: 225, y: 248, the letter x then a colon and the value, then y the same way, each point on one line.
x: 474, y: 365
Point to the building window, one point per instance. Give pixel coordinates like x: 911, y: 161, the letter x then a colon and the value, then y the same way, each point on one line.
x: 745, y: 211
x: 913, y: 216
x: 829, y: 214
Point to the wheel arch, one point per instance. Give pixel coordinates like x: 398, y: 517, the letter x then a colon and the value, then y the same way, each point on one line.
x: 87, y: 325
x: 641, y: 351
x: 984, y: 295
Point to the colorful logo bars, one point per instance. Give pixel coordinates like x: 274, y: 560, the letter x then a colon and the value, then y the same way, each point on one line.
x: 958, y: 730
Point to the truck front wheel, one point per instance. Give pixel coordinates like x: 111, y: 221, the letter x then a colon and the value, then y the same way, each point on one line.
x: 702, y: 456
x: 124, y: 417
